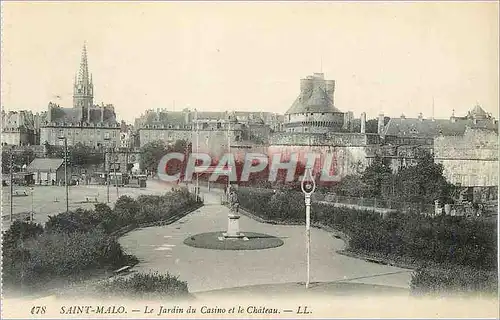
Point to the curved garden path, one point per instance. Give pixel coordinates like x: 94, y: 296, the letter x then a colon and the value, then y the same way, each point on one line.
x: 161, y: 249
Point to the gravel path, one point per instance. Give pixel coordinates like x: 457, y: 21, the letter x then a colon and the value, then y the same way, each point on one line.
x: 161, y: 249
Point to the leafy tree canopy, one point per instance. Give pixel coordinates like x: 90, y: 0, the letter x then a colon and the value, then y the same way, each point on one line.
x: 152, y: 152
x: 375, y: 175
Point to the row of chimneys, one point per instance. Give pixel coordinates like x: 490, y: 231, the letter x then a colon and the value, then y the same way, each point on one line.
x: 380, y: 129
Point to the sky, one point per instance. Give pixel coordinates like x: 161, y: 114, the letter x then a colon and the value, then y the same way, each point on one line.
x: 392, y: 58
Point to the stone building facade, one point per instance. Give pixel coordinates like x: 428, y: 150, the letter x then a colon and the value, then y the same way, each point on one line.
x: 89, y: 134
x: 86, y: 123
x: 470, y: 161
x: 213, y: 132
x: 20, y: 128
x: 410, y: 137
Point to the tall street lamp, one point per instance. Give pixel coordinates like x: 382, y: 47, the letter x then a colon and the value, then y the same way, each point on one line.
x: 32, y: 210
x: 308, y: 186
x: 229, y: 152
x: 197, y: 151
x: 11, y: 185
x: 66, y: 170
x: 114, y: 170
x: 107, y: 158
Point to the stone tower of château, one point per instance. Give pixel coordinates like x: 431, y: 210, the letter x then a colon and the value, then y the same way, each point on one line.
x: 83, y: 89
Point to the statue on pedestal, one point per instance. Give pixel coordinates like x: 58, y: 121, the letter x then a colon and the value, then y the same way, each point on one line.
x: 234, y: 202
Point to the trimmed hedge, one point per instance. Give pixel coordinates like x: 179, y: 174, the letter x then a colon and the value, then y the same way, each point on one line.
x: 127, y: 212
x: 442, y: 241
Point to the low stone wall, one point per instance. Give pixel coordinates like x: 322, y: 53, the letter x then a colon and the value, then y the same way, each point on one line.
x: 357, y: 207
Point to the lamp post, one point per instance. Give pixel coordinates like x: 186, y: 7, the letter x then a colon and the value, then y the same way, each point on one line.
x: 108, y: 157
x: 111, y: 156
x: 229, y: 152
x: 308, y: 187
x: 197, y: 151
x: 11, y: 185
x: 116, y: 179
x: 66, y: 170
x: 32, y: 210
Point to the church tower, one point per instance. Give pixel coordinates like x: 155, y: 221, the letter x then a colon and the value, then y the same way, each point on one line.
x: 83, y: 89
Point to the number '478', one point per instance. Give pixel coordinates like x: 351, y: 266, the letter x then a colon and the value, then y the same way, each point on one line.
x: 38, y: 310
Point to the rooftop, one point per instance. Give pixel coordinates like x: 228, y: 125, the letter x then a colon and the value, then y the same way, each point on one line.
x: 45, y: 164
x: 428, y: 128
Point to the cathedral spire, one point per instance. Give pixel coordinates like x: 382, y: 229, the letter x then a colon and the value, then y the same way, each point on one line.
x: 83, y: 91
x: 83, y: 76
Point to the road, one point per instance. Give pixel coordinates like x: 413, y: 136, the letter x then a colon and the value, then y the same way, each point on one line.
x: 161, y: 249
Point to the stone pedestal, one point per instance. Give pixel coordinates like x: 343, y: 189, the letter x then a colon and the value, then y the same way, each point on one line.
x: 233, y: 227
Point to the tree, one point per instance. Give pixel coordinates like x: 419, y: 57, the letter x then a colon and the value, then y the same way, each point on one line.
x: 351, y: 186
x: 19, y: 159
x: 375, y: 175
x: 81, y: 155
x: 53, y: 151
x: 179, y: 146
x: 372, y: 125
x: 424, y: 182
x: 151, y: 154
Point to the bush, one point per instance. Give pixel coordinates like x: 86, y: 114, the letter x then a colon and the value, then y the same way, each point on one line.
x: 400, y: 237
x: 79, y: 241
x: 157, y: 208
x: 73, y: 221
x: 20, y: 230
x: 54, y: 255
x: 127, y: 212
x: 457, y: 280
x: 144, y: 285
